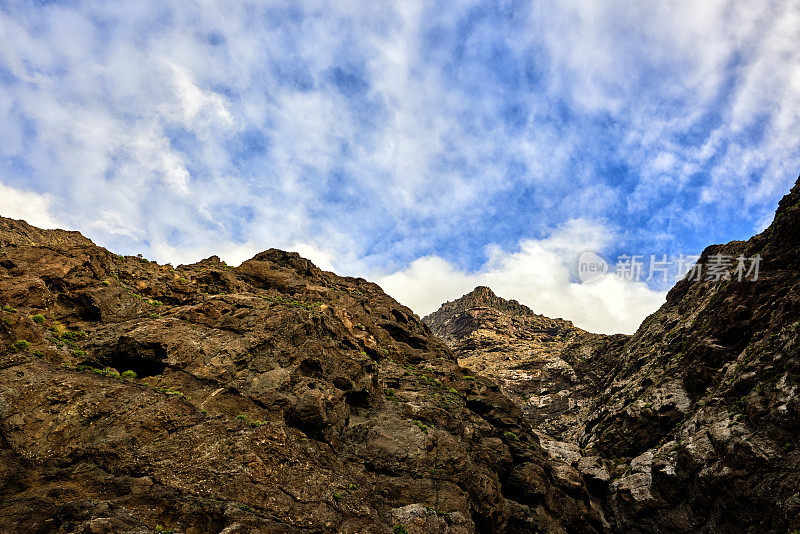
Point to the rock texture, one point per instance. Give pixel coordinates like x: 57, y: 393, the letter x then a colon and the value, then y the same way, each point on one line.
x: 691, y: 424
x: 525, y: 352
x: 700, y: 409
x: 270, y: 397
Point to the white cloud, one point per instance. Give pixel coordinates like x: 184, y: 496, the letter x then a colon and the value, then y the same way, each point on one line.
x: 34, y: 208
x: 539, y: 274
x: 185, y: 130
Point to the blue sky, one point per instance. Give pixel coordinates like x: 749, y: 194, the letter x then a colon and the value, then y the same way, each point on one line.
x: 428, y: 146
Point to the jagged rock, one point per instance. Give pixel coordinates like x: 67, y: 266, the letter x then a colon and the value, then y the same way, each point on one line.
x: 704, y: 397
x: 420, y: 519
x: 270, y: 397
x: 524, y: 352
x: 689, y: 425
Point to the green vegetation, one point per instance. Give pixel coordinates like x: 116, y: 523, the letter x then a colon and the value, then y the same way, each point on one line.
x: 38, y: 318
x: 169, y: 391
x: 162, y: 529
x: 254, y: 423
x: 337, y: 496
x: 107, y: 372
x: 106, y: 283
x: 21, y: 345
x: 399, y: 529
x: 422, y: 426
x: 72, y: 335
x: 78, y: 353
x: 9, y: 308
x: 510, y: 436
x: 129, y: 374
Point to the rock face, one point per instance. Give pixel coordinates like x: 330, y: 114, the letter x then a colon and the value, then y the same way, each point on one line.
x: 270, y: 397
x: 691, y: 424
x: 701, y: 407
x: 525, y: 352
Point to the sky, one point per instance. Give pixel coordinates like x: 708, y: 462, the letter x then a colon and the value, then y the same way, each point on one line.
x: 428, y: 146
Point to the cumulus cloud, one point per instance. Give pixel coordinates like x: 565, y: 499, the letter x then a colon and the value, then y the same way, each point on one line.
x: 31, y: 207
x: 404, y: 136
x: 540, y: 274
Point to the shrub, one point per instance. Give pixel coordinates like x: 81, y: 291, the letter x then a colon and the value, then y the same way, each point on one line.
x: 38, y: 318
x: 78, y: 353
x: 20, y: 345
x: 71, y: 335
x: 109, y: 372
x: 422, y: 426
x: 8, y: 308
x: 128, y: 374
x: 399, y: 529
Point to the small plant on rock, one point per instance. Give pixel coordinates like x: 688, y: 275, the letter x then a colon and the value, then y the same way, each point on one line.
x: 21, y: 345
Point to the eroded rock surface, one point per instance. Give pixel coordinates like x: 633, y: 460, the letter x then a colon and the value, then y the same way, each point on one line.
x: 691, y: 424
x: 699, y: 410
x: 269, y: 397
x: 525, y: 353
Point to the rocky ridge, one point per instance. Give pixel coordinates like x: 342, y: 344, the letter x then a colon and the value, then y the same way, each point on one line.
x: 523, y: 351
x: 268, y: 397
x: 691, y: 424
x: 700, y: 409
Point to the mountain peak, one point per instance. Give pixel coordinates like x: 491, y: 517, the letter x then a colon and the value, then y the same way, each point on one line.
x: 482, y: 297
x: 18, y: 232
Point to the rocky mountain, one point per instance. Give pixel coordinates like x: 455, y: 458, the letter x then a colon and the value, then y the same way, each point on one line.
x: 523, y: 351
x: 270, y: 397
x: 276, y: 397
x: 691, y: 424
x: 701, y: 407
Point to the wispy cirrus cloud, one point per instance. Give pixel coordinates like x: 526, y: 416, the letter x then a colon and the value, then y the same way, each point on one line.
x: 373, y: 135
